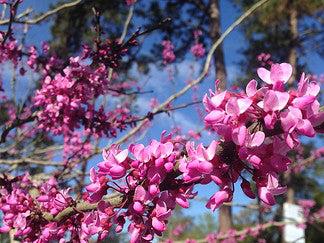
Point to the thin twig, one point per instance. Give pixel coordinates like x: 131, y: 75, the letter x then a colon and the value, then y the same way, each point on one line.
x: 12, y: 10
x: 123, y: 35
x: 123, y: 92
x: 18, y: 16
x: 42, y: 16
x: 305, y: 162
x: 29, y: 161
x: 48, y: 149
x: 244, y: 231
x: 13, y: 125
x: 139, y: 33
x: 3, y: 12
x: 150, y: 115
x: 126, y: 25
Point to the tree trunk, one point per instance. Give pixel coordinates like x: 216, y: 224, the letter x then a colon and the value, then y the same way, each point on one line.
x: 290, y: 198
x: 292, y: 58
x: 215, y: 33
x: 225, y: 212
x: 293, y: 25
x: 225, y: 218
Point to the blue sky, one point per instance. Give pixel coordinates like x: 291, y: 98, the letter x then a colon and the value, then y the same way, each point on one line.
x: 163, y: 87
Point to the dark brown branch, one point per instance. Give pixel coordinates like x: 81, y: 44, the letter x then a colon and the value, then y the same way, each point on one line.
x: 150, y: 115
x: 139, y: 33
x: 123, y: 92
x: 16, y: 123
x: 13, y: 11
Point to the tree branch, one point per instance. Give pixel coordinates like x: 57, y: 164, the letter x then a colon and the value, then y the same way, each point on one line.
x: 12, y: 11
x: 16, y: 123
x: 29, y: 161
x: 200, y: 77
x: 42, y: 16
x: 150, y: 114
x: 123, y: 92
x: 126, y: 25
x: 113, y: 199
x: 243, y: 231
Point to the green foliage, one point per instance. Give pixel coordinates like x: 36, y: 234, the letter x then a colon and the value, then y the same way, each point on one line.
x: 74, y: 27
x: 269, y: 31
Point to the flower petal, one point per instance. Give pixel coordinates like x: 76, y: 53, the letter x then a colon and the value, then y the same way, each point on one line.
x: 251, y: 88
x: 215, y: 116
x: 239, y: 135
x: 280, y: 72
x: 217, y: 99
x: 232, y: 107
x: 257, y: 139
x: 244, y: 104
x: 264, y: 74
x: 266, y: 196
x: 121, y: 156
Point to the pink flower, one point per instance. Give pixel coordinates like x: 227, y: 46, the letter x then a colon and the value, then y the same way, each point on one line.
x: 198, y: 50
x: 267, y: 193
x: 306, y: 203
x: 219, y: 198
x: 98, y: 186
x: 274, y: 101
x: 278, y: 73
x: 167, y: 53
x: 115, y: 162
x: 130, y: 2
x: 292, y: 120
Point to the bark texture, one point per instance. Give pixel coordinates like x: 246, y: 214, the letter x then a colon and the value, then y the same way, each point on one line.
x: 215, y: 33
x: 292, y: 58
x: 225, y: 212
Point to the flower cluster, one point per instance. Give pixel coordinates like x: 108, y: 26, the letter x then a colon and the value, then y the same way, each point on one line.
x: 179, y: 229
x: 167, y: 53
x: 67, y: 101
x: 198, y: 49
x: 130, y: 2
x: 151, y: 185
x: 33, y: 210
x: 32, y: 59
x: 22, y: 204
x: 109, y: 52
x: 261, y: 125
x: 307, y: 205
x: 309, y: 213
x: 257, y: 129
x: 264, y: 59
x: 9, y: 50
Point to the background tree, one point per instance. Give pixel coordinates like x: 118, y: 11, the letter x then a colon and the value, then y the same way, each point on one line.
x: 288, y: 30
